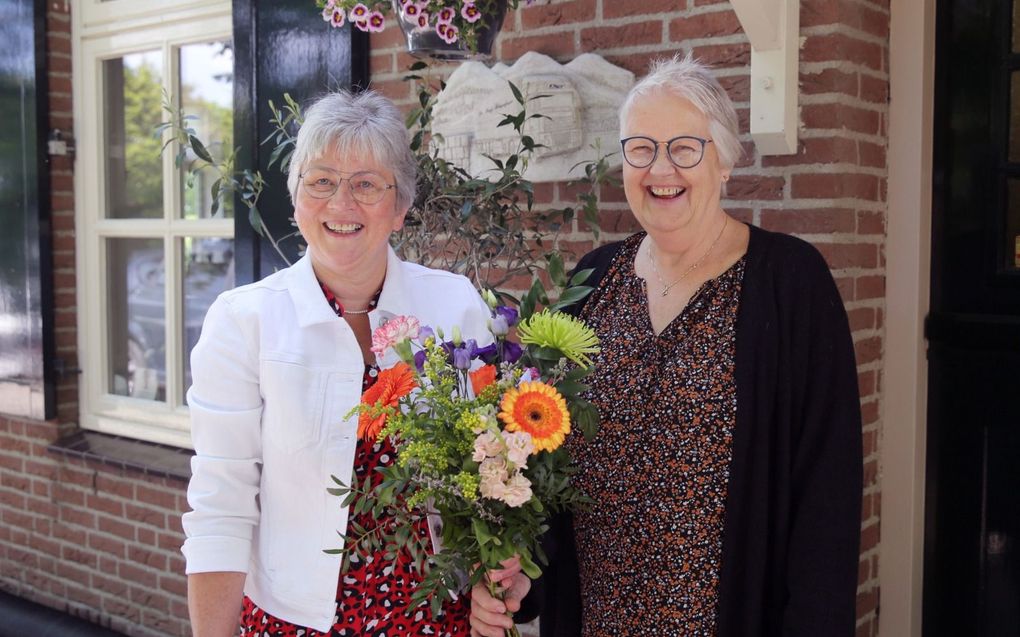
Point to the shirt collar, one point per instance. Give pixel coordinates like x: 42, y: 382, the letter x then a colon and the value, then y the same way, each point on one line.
x: 312, y: 308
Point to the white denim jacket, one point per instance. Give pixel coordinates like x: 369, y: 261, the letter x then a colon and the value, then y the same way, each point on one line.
x: 275, y: 371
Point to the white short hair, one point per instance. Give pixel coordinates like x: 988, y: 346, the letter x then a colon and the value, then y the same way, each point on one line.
x: 693, y: 80
x: 362, y: 123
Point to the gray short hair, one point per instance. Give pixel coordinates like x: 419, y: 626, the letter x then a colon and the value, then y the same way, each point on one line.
x: 364, y: 122
x: 693, y: 80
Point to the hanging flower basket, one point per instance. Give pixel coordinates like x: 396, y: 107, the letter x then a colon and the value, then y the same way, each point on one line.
x: 450, y: 41
x: 444, y: 29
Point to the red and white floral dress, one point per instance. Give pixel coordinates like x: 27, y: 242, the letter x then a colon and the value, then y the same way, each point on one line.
x: 373, y: 596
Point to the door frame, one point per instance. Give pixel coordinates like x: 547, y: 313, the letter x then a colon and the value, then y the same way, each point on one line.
x: 908, y: 276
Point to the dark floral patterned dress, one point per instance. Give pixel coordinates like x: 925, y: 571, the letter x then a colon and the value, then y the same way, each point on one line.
x: 373, y: 596
x: 650, y: 546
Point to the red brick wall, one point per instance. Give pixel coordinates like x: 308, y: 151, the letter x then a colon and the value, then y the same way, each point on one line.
x: 90, y: 540
x: 832, y: 192
x: 103, y: 543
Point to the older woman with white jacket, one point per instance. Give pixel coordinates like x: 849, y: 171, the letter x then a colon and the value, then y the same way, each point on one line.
x: 279, y: 365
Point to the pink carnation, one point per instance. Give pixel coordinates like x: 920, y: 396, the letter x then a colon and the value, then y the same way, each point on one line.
x: 487, y: 445
x: 518, y: 447
x: 395, y: 331
x: 517, y: 491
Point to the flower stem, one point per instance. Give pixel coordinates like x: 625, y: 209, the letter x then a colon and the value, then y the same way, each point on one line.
x: 500, y: 594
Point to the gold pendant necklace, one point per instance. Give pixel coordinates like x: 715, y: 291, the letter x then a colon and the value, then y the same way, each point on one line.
x: 667, y: 287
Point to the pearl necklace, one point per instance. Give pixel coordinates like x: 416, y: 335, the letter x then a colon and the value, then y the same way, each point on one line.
x: 667, y: 287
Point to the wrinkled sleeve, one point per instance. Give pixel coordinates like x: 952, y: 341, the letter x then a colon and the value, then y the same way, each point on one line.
x: 827, y: 470
x: 226, y: 411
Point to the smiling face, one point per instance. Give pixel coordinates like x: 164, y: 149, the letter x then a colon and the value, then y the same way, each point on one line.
x: 347, y: 239
x: 665, y: 199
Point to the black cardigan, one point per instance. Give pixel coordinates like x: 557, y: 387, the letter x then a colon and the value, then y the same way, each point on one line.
x: 793, y: 511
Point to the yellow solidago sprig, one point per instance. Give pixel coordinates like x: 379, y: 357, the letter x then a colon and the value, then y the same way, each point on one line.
x: 560, y: 332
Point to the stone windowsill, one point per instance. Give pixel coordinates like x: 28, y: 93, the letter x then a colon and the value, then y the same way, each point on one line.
x: 126, y: 453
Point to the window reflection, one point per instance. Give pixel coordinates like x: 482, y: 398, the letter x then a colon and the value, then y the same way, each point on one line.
x: 207, y: 92
x: 136, y: 318
x: 208, y: 264
x: 134, y: 169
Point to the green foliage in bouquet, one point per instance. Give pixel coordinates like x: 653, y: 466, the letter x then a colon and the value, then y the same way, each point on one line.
x: 479, y: 450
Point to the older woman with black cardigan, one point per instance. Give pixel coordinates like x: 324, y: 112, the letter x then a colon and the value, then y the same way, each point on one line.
x: 726, y: 478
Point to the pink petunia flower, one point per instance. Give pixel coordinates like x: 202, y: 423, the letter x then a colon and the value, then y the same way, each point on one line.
x: 470, y: 12
x: 359, y: 12
x: 411, y: 9
x: 423, y: 20
x: 376, y: 22
x: 446, y: 15
x: 338, y: 19
x: 449, y: 34
x: 395, y: 331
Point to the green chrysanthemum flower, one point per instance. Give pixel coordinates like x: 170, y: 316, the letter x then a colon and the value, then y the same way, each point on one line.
x: 562, y: 332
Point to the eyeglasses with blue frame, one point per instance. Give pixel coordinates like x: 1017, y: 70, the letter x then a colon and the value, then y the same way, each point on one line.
x: 684, y: 151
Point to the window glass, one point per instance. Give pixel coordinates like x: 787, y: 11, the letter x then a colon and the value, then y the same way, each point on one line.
x: 134, y: 169
x: 208, y: 264
x: 207, y: 92
x: 136, y: 318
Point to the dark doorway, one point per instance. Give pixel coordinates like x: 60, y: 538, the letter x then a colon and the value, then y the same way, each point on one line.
x: 972, y: 531
x: 281, y: 47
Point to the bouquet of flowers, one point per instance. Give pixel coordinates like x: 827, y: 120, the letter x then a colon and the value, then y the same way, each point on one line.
x: 451, y: 19
x: 479, y: 434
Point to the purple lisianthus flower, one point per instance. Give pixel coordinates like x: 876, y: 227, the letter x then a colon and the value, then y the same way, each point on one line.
x: 498, y: 326
x: 426, y: 333
x: 511, y: 352
x: 488, y: 354
x: 508, y: 313
x: 462, y: 358
x: 419, y: 359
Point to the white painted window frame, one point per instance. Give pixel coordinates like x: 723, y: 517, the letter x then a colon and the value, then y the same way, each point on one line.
x: 101, y: 31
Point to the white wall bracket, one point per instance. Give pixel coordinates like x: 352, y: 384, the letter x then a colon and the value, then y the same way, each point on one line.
x: 773, y: 27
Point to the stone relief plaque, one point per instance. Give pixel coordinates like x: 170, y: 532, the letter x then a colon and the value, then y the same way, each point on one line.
x: 580, y: 108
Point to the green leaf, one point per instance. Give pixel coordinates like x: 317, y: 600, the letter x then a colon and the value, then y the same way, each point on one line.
x: 199, y: 148
x: 482, y: 533
x: 529, y: 567
x: 555, y: 269
x: 255, y: 221
x: 586, y: 416
x: 517, y: 93
x: 572, y: 295
x: 570, y: 388
x: 465, y: 210
x: 580, y: 277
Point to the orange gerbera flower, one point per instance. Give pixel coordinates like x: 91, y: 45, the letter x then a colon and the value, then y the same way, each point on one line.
x: 482, y: 378
x: 392, y: 385
x: 538, y: 409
